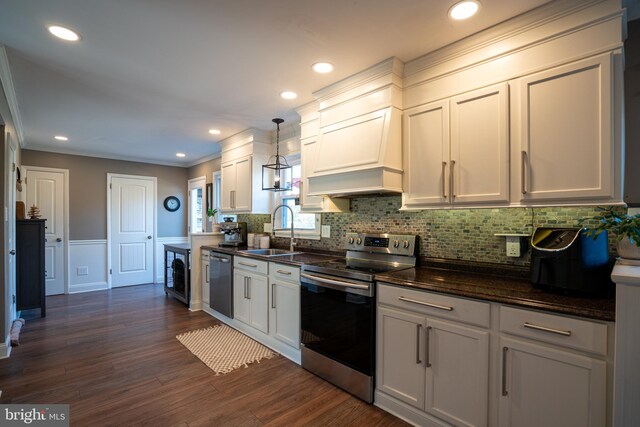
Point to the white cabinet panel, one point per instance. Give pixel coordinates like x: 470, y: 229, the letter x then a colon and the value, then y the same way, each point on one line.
x: 566, y: 136
x: 241, y: 304
x: 426, y: 154
x: 480, y: 146
x: 242, y: 196
x: 308, y: 150
x: 257, y: 291
x: 204, y: 271
x: 457, y: 373
x: 400, y: 370
x: 227, y: 185
x: 285, y: 312
x: 552, y: 388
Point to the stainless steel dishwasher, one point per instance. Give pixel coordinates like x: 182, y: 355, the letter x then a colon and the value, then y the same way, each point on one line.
x: 221, y: 283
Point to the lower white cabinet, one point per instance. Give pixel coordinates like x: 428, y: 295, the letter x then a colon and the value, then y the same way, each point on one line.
x: 284, y: 316
x: 435, y: 365
x: 250, y: 299
x: 204, y: 274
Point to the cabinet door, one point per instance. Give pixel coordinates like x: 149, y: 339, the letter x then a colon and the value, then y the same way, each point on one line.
x: 204, y: 272
x: 285, y: 312
x: 242, y: 197
x: 480, y: 146
x: 259, y: 302
x: 457, y: 382
x: 308, y: 149
x: 241, y: 302
x: 400, y: 364
x: 566, y: 134
x: 426, y: 155
x: 227, y: 185
x: 542, y: 386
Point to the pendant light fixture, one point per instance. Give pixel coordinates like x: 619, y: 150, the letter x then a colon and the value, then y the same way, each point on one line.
x: 275, y: 173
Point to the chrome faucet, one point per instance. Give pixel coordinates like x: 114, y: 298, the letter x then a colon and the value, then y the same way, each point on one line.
x: 292, y: 241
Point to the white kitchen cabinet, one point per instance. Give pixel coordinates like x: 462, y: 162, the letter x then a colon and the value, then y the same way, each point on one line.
x: 436, y: 365
x: 456, y: 151
x: 545, y: 386
x: 236, y: 184
x: 308, y: 152
x: 204, y: 274
x: 250, y: 295
x: 284, y: 307
x: 566, y: 133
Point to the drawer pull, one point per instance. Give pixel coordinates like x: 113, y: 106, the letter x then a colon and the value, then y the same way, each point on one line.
x: 286, y: 273
x: 504, y: 371
x: 426, y: 347
x: 545, y: 329
x: 247, y: 265
x: 418, y: 327
x: 428, y: 304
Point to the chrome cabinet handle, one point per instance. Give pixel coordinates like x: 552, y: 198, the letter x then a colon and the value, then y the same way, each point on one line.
x: 428, y: 304
x: 426, y: 347
x: 223, y: 260
x: 206, y: 275
x: 504, y: 371
x: 245, y: 287
x: 451, y: 176
x: 247, y: 265
x: 444, y: 190
x: 418, y: 327
x: 545, y: 329
x: 334, y: 282
x: 523, y: 172
x: 286, y: 273
x: 248, y: 287
x: 273, y: 295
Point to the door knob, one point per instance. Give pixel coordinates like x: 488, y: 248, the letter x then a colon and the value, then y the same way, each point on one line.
x: 12, y: 252
x: 148, y: 237
x: 58, y: 240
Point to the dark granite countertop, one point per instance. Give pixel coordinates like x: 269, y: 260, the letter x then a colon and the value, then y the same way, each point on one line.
x: 296, y: 259
x: 500, y: 288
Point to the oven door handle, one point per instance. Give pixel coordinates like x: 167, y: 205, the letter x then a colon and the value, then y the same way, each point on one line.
x: 334, y: 282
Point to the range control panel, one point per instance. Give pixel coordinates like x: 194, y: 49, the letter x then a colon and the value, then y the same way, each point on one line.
x: 397, y: 244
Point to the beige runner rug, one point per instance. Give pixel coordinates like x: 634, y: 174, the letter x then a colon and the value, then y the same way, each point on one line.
x: 224, y: 349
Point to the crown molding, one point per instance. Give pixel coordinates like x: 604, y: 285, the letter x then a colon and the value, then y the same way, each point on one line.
x: 10, y: 93
x: 523, y: 23
x: 247, y: 136
x: 205, y: 159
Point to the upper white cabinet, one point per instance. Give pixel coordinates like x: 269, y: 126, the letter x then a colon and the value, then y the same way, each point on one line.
x: 457, y: 150
x: 566, y: 149
x: 241, y: 173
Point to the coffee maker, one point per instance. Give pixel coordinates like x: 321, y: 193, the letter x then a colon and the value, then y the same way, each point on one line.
x: 235, y: 233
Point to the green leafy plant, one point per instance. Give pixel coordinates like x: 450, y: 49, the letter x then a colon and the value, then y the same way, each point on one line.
x: 211, y: 212
x: 622, y: 225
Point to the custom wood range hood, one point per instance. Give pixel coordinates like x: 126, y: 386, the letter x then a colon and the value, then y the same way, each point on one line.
x: 360, y: 139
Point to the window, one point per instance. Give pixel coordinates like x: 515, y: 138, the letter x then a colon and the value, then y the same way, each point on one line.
x: 305, y: 225
x: 197, y: 212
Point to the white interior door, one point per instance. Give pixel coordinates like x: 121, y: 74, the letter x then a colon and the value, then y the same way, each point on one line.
x: 10, y: 167
x: 132, y: 226
x: 197, y: 206
x: 46, y: 189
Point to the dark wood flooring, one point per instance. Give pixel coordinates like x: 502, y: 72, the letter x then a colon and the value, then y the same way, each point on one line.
x: 112, y: 355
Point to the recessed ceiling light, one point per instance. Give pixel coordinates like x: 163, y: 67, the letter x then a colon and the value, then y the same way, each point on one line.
x: 64, y: 33
x: 322, y: 67
x: 214, y: 131
x: 61, y: 138
x: 464, y: 9
x: 181, y: 155
x: 289, y: 95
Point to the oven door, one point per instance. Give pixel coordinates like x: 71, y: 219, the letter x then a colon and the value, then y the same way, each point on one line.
x: 338, y: 319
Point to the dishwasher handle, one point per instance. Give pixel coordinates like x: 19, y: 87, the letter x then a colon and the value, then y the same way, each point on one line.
x: 215, y: 258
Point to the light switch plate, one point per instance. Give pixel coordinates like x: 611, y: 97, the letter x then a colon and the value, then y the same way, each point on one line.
x: 267, y: 227
x: 326, y: 231
x: 513, y: 246
x: 83, y: 270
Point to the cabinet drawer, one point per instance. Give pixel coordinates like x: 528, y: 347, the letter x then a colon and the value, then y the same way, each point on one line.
x: 250, y: 264
x: 284, y: 272
x: 579, y: 334
x: 462, y: 310
x: 205, y: 256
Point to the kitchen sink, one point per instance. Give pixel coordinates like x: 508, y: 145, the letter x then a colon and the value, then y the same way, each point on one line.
x: 268, y: 252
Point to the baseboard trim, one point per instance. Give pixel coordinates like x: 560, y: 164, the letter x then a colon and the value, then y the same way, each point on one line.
x: 88, y: 287
x: 5, y: 348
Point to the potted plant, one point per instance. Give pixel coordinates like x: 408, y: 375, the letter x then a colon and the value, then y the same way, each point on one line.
x: 625, y: 227
x: 211, y: 213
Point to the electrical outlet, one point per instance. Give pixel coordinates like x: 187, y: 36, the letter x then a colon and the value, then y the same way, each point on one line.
x: 326, y: 231
x: 513, y: 246
x: 267, y: 227
x: 82, y: 271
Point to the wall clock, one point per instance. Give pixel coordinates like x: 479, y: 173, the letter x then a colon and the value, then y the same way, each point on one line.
x: 172, y: 203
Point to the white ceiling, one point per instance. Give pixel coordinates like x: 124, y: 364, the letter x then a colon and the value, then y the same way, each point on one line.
x: 150, y: 77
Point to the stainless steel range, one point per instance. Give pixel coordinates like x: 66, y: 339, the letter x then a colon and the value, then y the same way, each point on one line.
x: 338, y: 309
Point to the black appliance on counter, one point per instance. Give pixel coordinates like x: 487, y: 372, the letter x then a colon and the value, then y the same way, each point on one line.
x: 567, y: 260
x: 235, y: 233
x: 337, y: 309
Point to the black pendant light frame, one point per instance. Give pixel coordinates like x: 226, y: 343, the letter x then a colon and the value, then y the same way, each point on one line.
x: 274, y: 172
